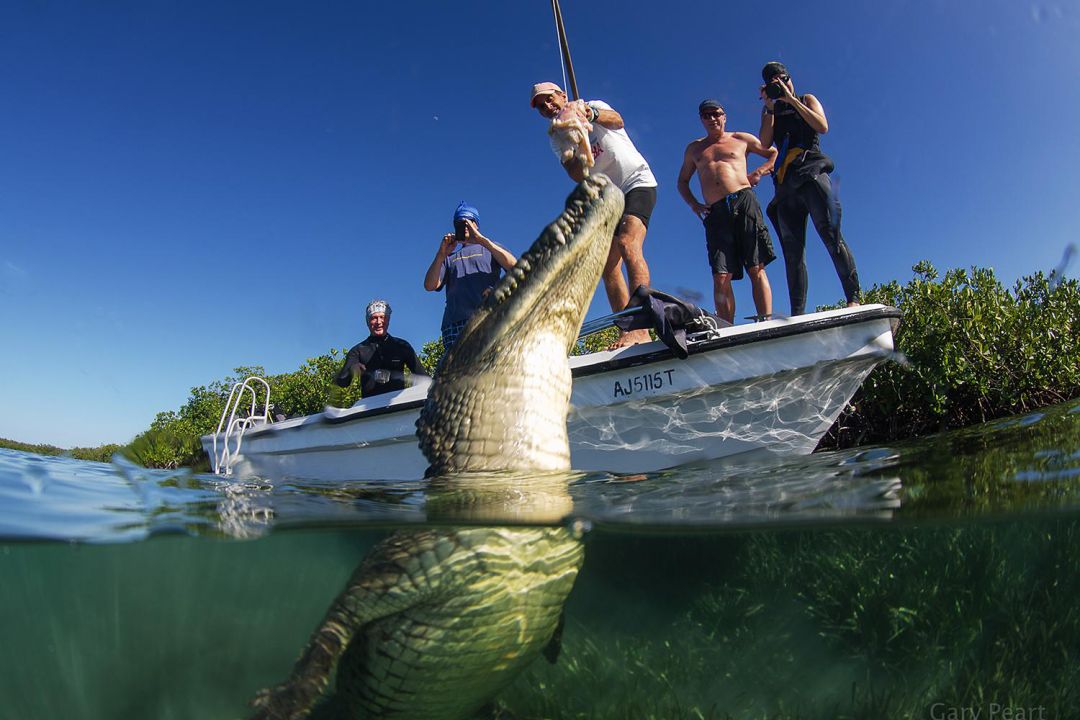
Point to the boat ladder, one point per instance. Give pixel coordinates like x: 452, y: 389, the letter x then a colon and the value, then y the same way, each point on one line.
x: 234, y: 426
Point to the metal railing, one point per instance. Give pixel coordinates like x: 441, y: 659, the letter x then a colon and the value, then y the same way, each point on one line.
x: 234, y: 426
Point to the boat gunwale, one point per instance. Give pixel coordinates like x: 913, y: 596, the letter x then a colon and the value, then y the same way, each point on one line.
x: 788, y: 327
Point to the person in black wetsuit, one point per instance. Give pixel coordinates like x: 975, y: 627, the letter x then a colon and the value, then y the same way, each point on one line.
x: 381, y: 359
x: 802, y: 183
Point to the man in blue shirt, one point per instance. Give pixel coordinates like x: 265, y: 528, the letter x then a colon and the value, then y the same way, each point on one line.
x: 467, y: 273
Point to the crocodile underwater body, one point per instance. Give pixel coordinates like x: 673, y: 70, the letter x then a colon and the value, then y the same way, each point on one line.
x: 433, y: 623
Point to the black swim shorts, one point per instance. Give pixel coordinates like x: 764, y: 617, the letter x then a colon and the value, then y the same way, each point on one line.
x: 640, y: 203
x: 736, y: 236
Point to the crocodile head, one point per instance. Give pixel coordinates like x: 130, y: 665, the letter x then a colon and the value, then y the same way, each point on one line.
x: 500, y: 399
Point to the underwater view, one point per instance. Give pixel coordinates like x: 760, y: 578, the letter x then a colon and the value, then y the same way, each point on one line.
x: 373, y: 360
x: 933, y: 578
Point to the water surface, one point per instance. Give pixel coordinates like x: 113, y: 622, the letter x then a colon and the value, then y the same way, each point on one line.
x: 902, y: 581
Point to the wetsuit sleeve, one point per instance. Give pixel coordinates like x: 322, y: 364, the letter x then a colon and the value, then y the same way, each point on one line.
x: 344, y: 376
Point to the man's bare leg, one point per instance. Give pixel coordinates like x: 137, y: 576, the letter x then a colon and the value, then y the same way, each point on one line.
x: 626, y: 248
x: 614, y: 285
x: 759, y: 284
x: 723, y: 296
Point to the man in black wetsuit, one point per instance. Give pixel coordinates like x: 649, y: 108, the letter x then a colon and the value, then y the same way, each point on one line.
x: 801, y: 178
x: 381, y: 359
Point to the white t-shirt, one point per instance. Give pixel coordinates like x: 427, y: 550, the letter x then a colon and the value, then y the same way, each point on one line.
x: 616, y: 156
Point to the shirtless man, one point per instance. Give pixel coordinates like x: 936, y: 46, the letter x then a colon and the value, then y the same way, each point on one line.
x: 735, y: 233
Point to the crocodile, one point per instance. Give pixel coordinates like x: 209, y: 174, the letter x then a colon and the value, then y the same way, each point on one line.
x: 434, y: 622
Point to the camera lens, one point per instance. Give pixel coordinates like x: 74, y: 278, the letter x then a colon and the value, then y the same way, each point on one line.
x: 774, y: 91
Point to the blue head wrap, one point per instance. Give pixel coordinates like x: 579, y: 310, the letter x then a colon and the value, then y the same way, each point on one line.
x: 466, y: 211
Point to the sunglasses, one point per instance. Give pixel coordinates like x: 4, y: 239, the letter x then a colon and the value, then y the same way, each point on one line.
x: 713, y: 113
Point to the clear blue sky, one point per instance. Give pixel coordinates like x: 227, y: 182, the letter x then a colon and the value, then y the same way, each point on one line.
x: 186, y: 187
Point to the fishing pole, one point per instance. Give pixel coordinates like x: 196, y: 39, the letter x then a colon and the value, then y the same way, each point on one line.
x: 565, y: 46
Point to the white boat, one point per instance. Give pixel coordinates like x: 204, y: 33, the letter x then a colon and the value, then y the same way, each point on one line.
x: 769, y: 387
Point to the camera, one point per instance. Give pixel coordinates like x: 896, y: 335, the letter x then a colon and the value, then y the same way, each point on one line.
x: 774, y: 91
x: 461, y: 231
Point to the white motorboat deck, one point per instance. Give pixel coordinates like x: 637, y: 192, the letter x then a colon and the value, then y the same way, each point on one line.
x: 774, y: 386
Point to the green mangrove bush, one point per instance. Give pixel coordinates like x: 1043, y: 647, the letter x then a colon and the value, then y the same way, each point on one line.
x: 101, y: 453
x: 975, y: 351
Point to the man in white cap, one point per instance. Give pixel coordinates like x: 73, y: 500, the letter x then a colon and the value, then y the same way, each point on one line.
x: 381, y: 359
x: 615, y: 156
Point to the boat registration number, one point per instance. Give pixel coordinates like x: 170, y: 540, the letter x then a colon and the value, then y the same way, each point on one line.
x: 637, y: 384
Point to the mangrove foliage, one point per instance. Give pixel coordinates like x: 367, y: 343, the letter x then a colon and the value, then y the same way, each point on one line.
x: 972, y: 350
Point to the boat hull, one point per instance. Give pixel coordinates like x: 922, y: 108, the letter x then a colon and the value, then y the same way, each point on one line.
x: 773, y: 387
